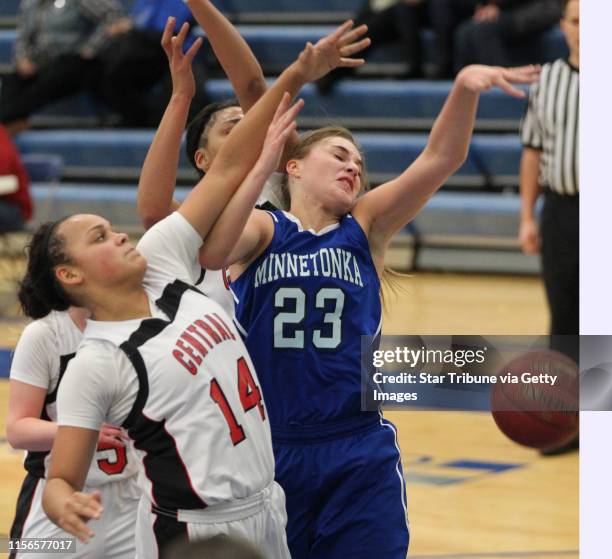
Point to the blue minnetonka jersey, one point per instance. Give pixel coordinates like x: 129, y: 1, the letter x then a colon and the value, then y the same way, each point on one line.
x: 302, y: 308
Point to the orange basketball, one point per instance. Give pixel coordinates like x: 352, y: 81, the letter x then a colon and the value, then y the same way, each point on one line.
x: 535, y: 412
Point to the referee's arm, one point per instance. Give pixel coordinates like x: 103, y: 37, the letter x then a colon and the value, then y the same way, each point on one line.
x: 529, y: 236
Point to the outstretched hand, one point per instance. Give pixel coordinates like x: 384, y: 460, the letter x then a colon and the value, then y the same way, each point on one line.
x: 183, y: 81
x: 282, y: 125
x: 478, y: 78
x: 333, y: 51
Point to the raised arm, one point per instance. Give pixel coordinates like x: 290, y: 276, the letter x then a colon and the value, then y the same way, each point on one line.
x: 232, y: 52
x: 388, y: 208
x: 158, y: 174
x: 239, y: 232
x: 243, y: 146
x: 221, y: 246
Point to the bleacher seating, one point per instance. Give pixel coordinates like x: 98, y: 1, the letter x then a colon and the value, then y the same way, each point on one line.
x: 108, y: 155
x: 359, y: 104
x: 471, y: 223
x: 276, y: 46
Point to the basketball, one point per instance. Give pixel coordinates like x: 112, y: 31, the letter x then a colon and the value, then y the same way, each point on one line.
x: 533, y: 412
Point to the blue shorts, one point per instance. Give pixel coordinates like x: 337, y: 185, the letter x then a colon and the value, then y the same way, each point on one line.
x: 345, y: 490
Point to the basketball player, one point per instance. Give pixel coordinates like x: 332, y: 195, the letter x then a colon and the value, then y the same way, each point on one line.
x: 307, y: 288
x: 207, y: 132
x: 42, y: 354
x: 161, y: 359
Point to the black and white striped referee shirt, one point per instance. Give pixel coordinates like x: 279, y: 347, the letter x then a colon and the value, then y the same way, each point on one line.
x: 550, y: 124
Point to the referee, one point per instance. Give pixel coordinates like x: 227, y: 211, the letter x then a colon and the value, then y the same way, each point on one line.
x: 549, y: 164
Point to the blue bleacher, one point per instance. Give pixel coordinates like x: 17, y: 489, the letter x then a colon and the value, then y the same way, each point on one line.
x: 358, y: 104
x: 276, y: 46
x: 108, y: 154
x: 391, y: 104
x: 101, y: 167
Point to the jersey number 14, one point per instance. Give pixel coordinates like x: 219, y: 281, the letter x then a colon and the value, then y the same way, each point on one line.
x: 250, y: 397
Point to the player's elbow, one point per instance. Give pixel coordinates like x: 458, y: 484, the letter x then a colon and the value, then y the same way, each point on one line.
x: 149, y: 218
x: 256, y: 87
x: 211, y: 259
x: 14, y: 436
x: 447, y: 162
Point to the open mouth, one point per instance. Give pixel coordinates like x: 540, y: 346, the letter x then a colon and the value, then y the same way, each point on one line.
x: 347, y: 182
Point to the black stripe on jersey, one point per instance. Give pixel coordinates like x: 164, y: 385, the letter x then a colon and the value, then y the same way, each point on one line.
x: 64, y: 360
x: 34, y: 462
x: 267, y: 206
x: 201, y: 278
x: 168, y: 530
x: 24, y: 504
x: 163, y: 465
x: 169, y: 303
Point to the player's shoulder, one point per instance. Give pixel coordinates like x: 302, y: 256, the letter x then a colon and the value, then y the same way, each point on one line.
x: 40, y: 331
x: 95, y: 359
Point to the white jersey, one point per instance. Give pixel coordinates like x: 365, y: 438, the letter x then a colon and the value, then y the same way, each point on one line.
x: 42, y: 354
x: 216, y: 283
x: 181, y: 382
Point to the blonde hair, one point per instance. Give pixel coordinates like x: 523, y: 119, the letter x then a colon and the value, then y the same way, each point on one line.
x: 309, y: 140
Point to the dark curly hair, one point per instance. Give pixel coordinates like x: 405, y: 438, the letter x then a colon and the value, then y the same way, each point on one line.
x: 40, y: 292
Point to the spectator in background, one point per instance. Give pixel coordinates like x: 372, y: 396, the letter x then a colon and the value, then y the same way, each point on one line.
x: 133, y: 63
x: 388, y: 21
x: 15, y: 201
x: 445, y: 16
x: 549, y: 165
x: 505, y: 32
x: 55, y: 53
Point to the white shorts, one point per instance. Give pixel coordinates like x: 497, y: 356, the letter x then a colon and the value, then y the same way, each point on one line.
x: 259, y: 519
x: 114, y: 530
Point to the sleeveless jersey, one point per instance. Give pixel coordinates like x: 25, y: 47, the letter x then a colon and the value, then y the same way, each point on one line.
x: 302, y: 307
x: 46, y: 347
x: 197, y: 419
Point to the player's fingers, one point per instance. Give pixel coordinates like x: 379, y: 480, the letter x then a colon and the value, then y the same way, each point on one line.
x: 75, y: 526
x: 352, y: 35
x: 348, y: 50
x: 341, y: 30
x: 282, y: 107
x: 509, y: 88
x: 193, y: 49
x: 288, y: 130
x: 87, y: 504
x: 167, y: 35
x: 351, y: 62
x: 182, y: 34
x: 520, y: 77
x: 110, y: 440
x: 291, y: 113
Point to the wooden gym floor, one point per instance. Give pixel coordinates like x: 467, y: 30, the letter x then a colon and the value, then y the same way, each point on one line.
x: 472, y: 494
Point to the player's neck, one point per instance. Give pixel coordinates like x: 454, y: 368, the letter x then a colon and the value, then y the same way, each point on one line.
x: 79, y: 316
x: 121, y: 304
x: 312, y: 217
